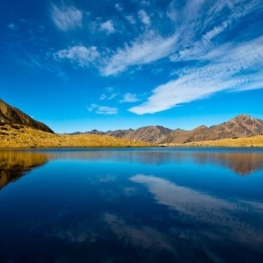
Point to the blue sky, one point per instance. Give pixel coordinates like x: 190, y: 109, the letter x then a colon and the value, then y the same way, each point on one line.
x: 84, y: 64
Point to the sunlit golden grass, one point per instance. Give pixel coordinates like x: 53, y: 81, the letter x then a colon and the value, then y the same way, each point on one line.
x: 253, y: 141
x: 25, y: 137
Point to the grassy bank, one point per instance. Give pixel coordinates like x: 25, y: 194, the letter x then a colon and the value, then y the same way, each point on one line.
x: 253, y: 141
x: 17, y: 136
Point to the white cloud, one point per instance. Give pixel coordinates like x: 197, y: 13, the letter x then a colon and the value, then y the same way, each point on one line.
x: 214, y: 66
x: 105, y: 110
x: 66, y: 17
x: 145, y: 19
x: 79, y: 54
x: 129, y: 97
x: 109, y: 94
x: 147, y: 49
x: 92, y: 107
x: 108, y: 27
x: 224, y: 72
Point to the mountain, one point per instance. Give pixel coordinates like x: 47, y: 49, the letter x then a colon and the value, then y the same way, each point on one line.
x: 240, y: 126
x: 151, y: 134
x: 12, y: 115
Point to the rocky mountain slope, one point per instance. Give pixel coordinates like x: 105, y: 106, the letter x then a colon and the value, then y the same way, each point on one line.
x: 151, y: 134
x: 240, y: 126
x: 12, y: 115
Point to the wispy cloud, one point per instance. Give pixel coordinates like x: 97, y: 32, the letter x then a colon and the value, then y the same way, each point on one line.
x: 145, y: 19
x: 80, y: 55
x: 131, y: 19
x: 108, y: 27
x: 214, y: 65
x: 92, y: 107
x: 104, y: 110
x: 219, y: 56
x: 146, y: 49
x: 66, y: 17
x: 225, y: 71
x: 108, y: 94
x: 129, y: 97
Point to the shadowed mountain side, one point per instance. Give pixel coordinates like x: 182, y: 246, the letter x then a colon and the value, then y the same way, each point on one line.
x: 240, y: 126
x: 13, y: 165
x: 12, y: 115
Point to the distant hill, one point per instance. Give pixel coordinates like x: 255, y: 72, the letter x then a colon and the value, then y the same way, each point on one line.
x: 150, y: 134
x: 240, y: 126
x: 12, y: 115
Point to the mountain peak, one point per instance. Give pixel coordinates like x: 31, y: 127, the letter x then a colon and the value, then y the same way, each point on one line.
x: 243, y: 117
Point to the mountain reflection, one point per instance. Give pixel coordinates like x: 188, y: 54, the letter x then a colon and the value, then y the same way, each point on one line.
x: 241, y: 163
x: 14, y: 164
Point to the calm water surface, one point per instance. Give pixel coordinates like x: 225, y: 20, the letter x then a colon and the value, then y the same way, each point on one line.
x: 131, y: 205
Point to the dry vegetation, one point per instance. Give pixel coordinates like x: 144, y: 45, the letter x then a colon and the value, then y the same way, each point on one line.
x: 18, y: 136
x: 252, y: 141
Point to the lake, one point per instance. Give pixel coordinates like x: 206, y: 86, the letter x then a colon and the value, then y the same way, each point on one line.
x: 131, y: 205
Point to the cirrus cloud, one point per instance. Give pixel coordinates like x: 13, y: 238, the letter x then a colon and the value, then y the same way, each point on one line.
x: 66, y: 17
x: 78, y: 54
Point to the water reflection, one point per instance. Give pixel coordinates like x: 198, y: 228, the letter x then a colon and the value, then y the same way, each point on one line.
x: 131, y: 206
x: 241, y: 163
x: 13, y: 165
x: 209, y: 210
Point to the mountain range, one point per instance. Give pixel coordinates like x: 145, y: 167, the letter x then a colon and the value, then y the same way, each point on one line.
x: 240, y: 126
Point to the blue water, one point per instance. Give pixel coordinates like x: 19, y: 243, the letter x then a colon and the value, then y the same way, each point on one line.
x: 131, y: 205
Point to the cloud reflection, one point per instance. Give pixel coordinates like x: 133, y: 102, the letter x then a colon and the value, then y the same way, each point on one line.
x: 142, y: 236
x: 229, y: 217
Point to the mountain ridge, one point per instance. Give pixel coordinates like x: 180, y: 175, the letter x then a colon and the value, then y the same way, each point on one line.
x: 240, y: 126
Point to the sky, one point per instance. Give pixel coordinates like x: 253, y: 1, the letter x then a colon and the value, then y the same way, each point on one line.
x: 109, y: 64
